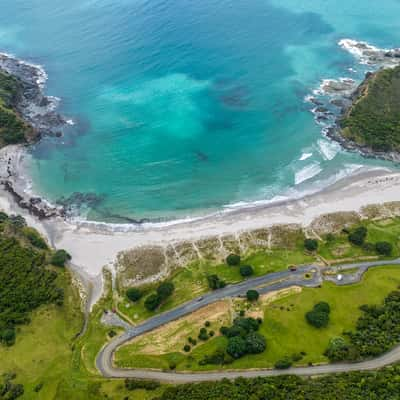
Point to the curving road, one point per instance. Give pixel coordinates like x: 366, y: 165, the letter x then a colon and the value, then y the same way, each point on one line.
x: 264, y: 284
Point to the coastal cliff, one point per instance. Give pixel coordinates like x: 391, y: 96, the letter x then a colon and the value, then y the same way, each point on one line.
x: 371, y: 124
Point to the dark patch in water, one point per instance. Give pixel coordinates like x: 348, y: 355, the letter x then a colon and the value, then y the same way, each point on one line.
x: 201, y: 156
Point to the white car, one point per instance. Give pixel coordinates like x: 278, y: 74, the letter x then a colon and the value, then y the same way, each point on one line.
x: 340, y: 277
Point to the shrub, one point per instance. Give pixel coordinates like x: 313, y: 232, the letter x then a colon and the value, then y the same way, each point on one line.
x: 203, y: 335
x: 3, y: 217
x: 233, y: 260
x: 296, y: 357
x: 255, y: 343
x: 134, y: 294
x: 283, y: 363
x: 134, y: 384
x: 237, y: 347
x: 165, y: 290
x: 322, y: 306
x: 358, y: 236
x: 207, y: 324
x: 384, y: 248
x: 34, y: 238
x: 7, y: 336
x: 112, y: 333
x: 319, y: 316
x: 152, y: 302
x: 214, y: 282
x: 337, y: 350
x: 59, y: 258
x: 317, y: 319
x: 246, y: 270
x: 211, y: 333
x: 248, y: 324
x: 311, y: 244
x: 252, y: 295
x: 186, y: 348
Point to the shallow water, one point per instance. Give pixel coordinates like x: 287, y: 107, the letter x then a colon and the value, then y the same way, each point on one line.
x: 184, y: 107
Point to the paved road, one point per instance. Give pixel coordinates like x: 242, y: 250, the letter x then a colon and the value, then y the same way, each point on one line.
x: 264, y: 284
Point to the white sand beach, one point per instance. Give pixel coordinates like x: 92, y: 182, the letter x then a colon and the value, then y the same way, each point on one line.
x: 95, y: 246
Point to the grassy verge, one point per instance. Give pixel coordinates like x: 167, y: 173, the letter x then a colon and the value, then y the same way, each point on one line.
x: 191, y: 281
x: 284, y: 326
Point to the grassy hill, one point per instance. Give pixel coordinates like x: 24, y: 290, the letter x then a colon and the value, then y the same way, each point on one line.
x: 373, y: 120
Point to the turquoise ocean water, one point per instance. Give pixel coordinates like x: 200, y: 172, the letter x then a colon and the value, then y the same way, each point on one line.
x: 182, y: 107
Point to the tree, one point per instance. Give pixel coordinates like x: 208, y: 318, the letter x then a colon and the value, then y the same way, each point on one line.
x: 311, y: 244
x: 233, y: 260
x: 152, y: 302
x: 237, y: 347
x: 165, y: 290
x: 252, y: 295
x: 256, y: 343
x: 59, y: 258
x: 214, y: 282
x: 337, y: 350
x: 246, y: 270
x: 248, y: 324
x: 186, y: 348
x: 317, y: 319
x: 384, y: 248
x: 7, y: 336
x: 134, y: 294
x: 358, y: 236
x: 283, y: 363
x: 323, y: 306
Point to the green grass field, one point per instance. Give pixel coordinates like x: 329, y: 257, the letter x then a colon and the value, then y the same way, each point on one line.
x: 46, y: 353
x: 285, y: 327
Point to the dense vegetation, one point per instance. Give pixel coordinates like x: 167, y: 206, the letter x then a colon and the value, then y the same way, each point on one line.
x: 383, y: 384
x: 377, y: 331
x: 374, y: 118
x: 12, y: 128
x: 10, y: 390
x: 25, y: 281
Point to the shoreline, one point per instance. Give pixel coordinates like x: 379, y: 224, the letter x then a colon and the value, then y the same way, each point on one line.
x: 94, y: 248
x: 96, y: 245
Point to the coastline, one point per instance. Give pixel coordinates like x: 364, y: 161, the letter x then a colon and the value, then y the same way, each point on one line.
x: 95, y: 246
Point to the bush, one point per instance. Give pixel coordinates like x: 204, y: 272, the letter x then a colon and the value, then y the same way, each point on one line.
x: 255, y: 343
x: 34, y: 238
x: 237, y: 347
x: 233, y: 260
x: 358, y: 236
x: 152, y: 302
x: 186, y: 348
x: 246, y: 270
x: 252, y: 295
x: 214, y: 282
x: 7, y: 336
x: 317, y: 319
x: 384, y: 248
x: 211, y: 333
x: 296, y: 357
x: 135, y: 384
x: 59, y: 258
x: 283, y: 363
x: 134, y: 294
x: 319, y: 316
x: 165, y: 290
x: 203, y: 335
x: 323, y: 306
x: 207, y: 324
x: 112, y: 333
x: 337, y: 350
x: 311, y: 244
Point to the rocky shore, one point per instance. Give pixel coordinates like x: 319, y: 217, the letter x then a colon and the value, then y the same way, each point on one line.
x: 39, y: 112
x: 334, y: 99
